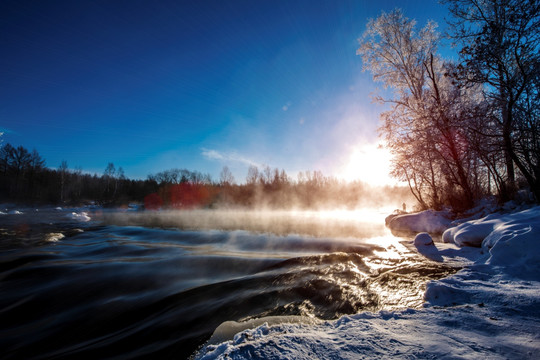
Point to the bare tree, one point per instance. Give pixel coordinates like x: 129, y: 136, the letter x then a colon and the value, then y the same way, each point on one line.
x: 226, y: 177
x: 425, y: 128
x: 109, y: 175
x: 252, y: 175
x: 6, y: 158
x: 64, y: 171
x: 501, y: 50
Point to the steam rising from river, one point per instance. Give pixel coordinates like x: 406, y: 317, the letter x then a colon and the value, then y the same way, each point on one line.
x: 365, y: 223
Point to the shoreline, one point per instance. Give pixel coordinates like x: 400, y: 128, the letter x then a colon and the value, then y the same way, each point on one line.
x: 490, y: 308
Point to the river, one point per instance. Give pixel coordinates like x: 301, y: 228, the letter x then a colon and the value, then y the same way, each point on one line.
x: 90, y: 282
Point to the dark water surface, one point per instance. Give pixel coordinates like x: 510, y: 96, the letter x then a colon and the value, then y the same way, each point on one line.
x: 135, y: 284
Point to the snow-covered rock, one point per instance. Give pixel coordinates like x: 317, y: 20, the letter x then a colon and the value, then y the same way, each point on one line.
x: 423, y: 239
x: 54, y: 237
x: 82, y: 216
x: 430, y: 221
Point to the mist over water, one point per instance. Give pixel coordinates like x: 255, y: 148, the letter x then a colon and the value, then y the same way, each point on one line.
x: 360, y: 224
x: 136, y: 284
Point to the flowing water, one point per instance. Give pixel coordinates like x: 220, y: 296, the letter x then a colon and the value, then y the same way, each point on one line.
x: 157, y: 284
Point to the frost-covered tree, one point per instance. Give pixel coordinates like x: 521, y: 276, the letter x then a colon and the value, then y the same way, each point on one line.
x: 252, y: 175
x: 500, y: 42
x: 426, y: 128
x: 226, y: 177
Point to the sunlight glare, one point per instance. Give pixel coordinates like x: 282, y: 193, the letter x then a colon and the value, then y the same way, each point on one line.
x: 369, y: 163
x: 363, y: 215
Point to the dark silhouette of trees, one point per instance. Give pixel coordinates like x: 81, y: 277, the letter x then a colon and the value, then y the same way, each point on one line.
x: 25, y: 178
x: 63, y: 170
x: 501, y: 50
x: 20, y: 171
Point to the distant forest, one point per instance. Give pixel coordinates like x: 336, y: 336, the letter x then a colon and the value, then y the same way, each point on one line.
x: 24, y: 178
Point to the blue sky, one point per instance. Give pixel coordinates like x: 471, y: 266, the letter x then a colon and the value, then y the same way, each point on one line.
x: 152, y: 85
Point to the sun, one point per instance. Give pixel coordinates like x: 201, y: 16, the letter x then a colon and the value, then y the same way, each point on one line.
x: 369, y: 163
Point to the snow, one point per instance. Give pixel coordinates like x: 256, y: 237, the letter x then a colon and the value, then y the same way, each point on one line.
x: 82, y: 216
x: 423, y: 239
x: 54, y: 237
x: 463, y: 332
x: 429, y: 221
x: 489, y: 309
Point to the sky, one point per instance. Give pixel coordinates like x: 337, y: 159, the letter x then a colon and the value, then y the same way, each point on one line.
x: 154, y: 85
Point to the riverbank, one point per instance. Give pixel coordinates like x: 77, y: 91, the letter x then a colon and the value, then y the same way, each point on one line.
x: 489, y: 309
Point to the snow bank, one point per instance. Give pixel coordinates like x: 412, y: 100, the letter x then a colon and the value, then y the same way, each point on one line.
x: 430, y: 221
x: 463, y: 333
x: 510, y: 240
x: 511, y: 247
x: 515, y: 243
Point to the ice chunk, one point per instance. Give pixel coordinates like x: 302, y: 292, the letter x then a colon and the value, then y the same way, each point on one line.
x: 82, y: 216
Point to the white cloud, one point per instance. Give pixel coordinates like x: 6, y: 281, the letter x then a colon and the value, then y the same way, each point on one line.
x: 5, y: 131
x: 212, y: 154
x: 222, y: 156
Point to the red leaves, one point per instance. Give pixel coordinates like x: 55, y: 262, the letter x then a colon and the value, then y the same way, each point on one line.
x: 179, y: 196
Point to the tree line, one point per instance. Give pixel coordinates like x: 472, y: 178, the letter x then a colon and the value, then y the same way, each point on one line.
x: 24, y: 177
x: 266, y: 188
x: 461, y: 130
